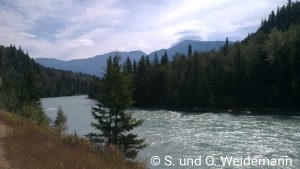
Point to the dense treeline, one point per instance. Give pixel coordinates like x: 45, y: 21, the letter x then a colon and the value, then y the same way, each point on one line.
x: 261, y: 71
x: 24, y: 81
x: 284, y: 17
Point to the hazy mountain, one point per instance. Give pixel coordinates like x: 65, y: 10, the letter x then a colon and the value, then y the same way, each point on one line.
x: 182, y: 47
x: 95, y: 64
x: 91, y: 65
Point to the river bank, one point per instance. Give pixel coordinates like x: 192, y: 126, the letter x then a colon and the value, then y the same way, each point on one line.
x: 30, y: 146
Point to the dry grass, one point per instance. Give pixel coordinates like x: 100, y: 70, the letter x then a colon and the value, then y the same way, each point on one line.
x: 29, y: 146
x: 3, y: 161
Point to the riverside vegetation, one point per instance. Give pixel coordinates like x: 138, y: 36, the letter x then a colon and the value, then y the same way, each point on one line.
x: 28, y: 145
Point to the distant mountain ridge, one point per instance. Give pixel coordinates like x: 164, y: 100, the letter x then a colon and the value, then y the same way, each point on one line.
x: 182, y: 47
x: 91, y: 66
x: 94, y: 65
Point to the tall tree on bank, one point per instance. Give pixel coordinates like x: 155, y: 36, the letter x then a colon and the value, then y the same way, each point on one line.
x: 113, y: 123
x: 60, y: 123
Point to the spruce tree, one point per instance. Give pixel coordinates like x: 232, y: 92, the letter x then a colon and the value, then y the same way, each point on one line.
x: 30, y: 86
x: 60, y: 123
x: 164, y: 58
x: 190, y: 50
x: 113, y: 123
x: 156, y: 60
x: 127, y: 67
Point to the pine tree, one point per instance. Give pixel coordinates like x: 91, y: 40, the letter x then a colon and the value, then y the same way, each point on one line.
x: 142, y: 91
x: 225, y: 47
x: 240, y: 80
x: 60, y: 123
x: 30, y: 86
x: 134, y: 66
x: 156, y: 60
x: 164, y: 58
x: 113, y: 122
x: 190, y: 50
x: 127, y: 66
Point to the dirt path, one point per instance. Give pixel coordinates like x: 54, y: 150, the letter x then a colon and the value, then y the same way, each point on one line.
x: 3, y: 162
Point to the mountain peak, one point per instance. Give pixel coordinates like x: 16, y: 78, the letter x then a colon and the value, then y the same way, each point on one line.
x: 93, y: 65
x: 182, y: 47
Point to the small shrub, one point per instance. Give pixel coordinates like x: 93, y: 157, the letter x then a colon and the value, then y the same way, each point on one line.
x: 34, y: 113
x: 72, y: 140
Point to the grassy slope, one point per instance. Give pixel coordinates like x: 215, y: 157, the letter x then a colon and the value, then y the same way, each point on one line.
x: 29, y: 146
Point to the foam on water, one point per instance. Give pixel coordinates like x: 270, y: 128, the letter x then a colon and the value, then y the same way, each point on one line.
x: 183, y: 135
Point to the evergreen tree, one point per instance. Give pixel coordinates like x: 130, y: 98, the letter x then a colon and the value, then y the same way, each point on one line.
x: 114, y: 124
x: 190, y: 50
x: 225, y: 47
x: 127, y: 66
x: 134, y: 67
x: 156, y: 60
x: 142, y: 91
x: 30, y: 86
x: 164, y: 58
x: 60, y: 123
x: 239, y: 81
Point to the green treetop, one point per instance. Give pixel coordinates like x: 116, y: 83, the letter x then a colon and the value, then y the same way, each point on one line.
x: 113, y: 123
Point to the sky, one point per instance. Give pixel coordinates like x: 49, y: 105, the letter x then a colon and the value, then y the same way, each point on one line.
x: 73, y: 29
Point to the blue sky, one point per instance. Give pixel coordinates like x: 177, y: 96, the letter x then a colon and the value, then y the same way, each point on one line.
x: 72, y: 29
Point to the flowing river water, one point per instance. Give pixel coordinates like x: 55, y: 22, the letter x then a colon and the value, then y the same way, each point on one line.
x: 200, y: 140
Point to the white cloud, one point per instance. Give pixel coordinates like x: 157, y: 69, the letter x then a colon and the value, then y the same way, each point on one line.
x: 27, y: 35
x: 69, y: 29
x: 82, y: 43
x: 101, y: 14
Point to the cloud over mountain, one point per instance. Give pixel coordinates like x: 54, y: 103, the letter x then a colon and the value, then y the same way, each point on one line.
x: 70, y: 29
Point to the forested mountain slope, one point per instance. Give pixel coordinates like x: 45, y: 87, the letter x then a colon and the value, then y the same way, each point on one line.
x: 24, y: 80
x: 263, y: 70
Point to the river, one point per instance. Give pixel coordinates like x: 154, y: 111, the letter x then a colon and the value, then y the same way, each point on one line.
x: 200, y: 140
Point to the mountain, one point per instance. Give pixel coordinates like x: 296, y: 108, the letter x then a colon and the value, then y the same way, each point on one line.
x: 94, y: 64
x: 182, y: 47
